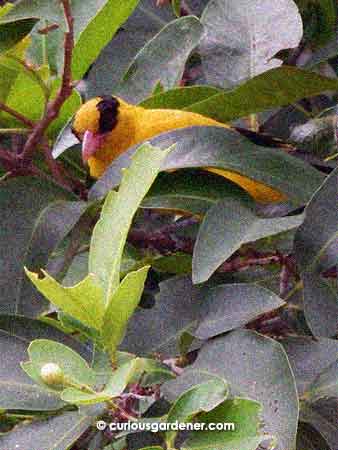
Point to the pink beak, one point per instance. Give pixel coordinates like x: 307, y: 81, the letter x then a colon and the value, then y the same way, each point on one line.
x: 91, y: 144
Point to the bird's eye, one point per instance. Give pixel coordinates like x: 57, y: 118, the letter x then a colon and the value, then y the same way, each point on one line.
x: 108, y: 108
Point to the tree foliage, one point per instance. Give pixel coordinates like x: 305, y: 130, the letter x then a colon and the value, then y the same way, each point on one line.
x: 162, y: 292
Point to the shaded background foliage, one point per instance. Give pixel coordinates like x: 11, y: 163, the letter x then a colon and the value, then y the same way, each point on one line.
x: 244, y: 291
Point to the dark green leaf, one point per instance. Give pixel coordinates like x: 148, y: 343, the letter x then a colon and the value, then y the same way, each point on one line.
x: 231, y: 306
x: 177, y: 263
x: 195, y: 192
x: 166, y: 54
x: 142, y: 25
x: 46, y: 48
x: 316, y: 251
x: 309, y: 358
x: 277, y: 87
x: 330, y: 50
x: 243, y: 413
x: 14, y: 32
x: 323, y: 417
x: 320, y: 20
x: 256, y: 367
x: 309, y: 439
x: 223, y: 148
x: 18, y: 391
x: 241, y: 38
x: 316, y: 246
x: 99, y: 31
x: 55, y: 433
x: 179, y: 98
x: 326, y: 384
x: 39, y: 9
x: 228, y: 225
x: 181, y: 307
x: 30, y: 231
x: 177, y: 308
x: 201, y: 397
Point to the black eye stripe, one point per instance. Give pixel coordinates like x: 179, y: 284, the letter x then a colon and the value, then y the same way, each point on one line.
x: 108, y: 108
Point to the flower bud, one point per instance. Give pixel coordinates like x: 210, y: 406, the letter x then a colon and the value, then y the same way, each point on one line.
x: 52, y: 374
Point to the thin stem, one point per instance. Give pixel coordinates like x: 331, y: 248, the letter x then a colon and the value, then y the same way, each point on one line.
x: 14, y: 131
x: 53, y: 108
x: 25, y: 120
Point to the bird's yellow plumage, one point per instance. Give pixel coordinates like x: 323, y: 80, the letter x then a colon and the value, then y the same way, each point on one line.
x: 134, y: 124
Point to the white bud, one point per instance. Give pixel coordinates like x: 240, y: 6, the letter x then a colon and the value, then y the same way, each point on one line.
x: 52, y: 374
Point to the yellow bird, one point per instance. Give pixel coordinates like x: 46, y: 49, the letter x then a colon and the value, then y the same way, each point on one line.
x: 108, y: 126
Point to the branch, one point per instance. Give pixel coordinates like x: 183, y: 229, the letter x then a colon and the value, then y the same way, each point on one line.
x: 53, y: 108
x: 23, y: 119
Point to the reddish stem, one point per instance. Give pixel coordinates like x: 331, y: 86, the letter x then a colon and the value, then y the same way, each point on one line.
x: 53, y: 107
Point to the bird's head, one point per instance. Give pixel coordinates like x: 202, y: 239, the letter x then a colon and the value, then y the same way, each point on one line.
x: 94, y: 121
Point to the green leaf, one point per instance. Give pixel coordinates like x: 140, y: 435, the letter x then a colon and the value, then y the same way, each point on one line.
x: 27, y: 87
x: 277, y: 87
x: 177, y: 263
x: 195, y: 192
x: 39, y: 9
x: 45, y: 351
x: 14, y: 32
x: 322, y: 416
x: 326, y: 384
x: 99, y: 31
x: 241, y: 38
x: 7, y: 78
x: 110, y: 233
x: 179, y: 98
x: 29, y: 233
x: 256, y: 367
x: 227, y: 149
x: 121, y: 307
x: 142, y: 25
x: 320, y: 20
x: 116, y: 385
x: 309, y: 358
x: 54, y: 433
x: 46, y: 49
x: 309, y: 439
x: 123, y: 376
x: 17, y: 390
x: 155, y: 372
x: 84, y: 301
x: 96, y: 21
x: 323, y: 54
x: 202, y: 397
x: 316, y: 251
x: 243, y: 413
x: 166, y: 55
x: 231, y: 306
x: 228, y: 225
x: 177, y: 309
x: 316, y: 245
